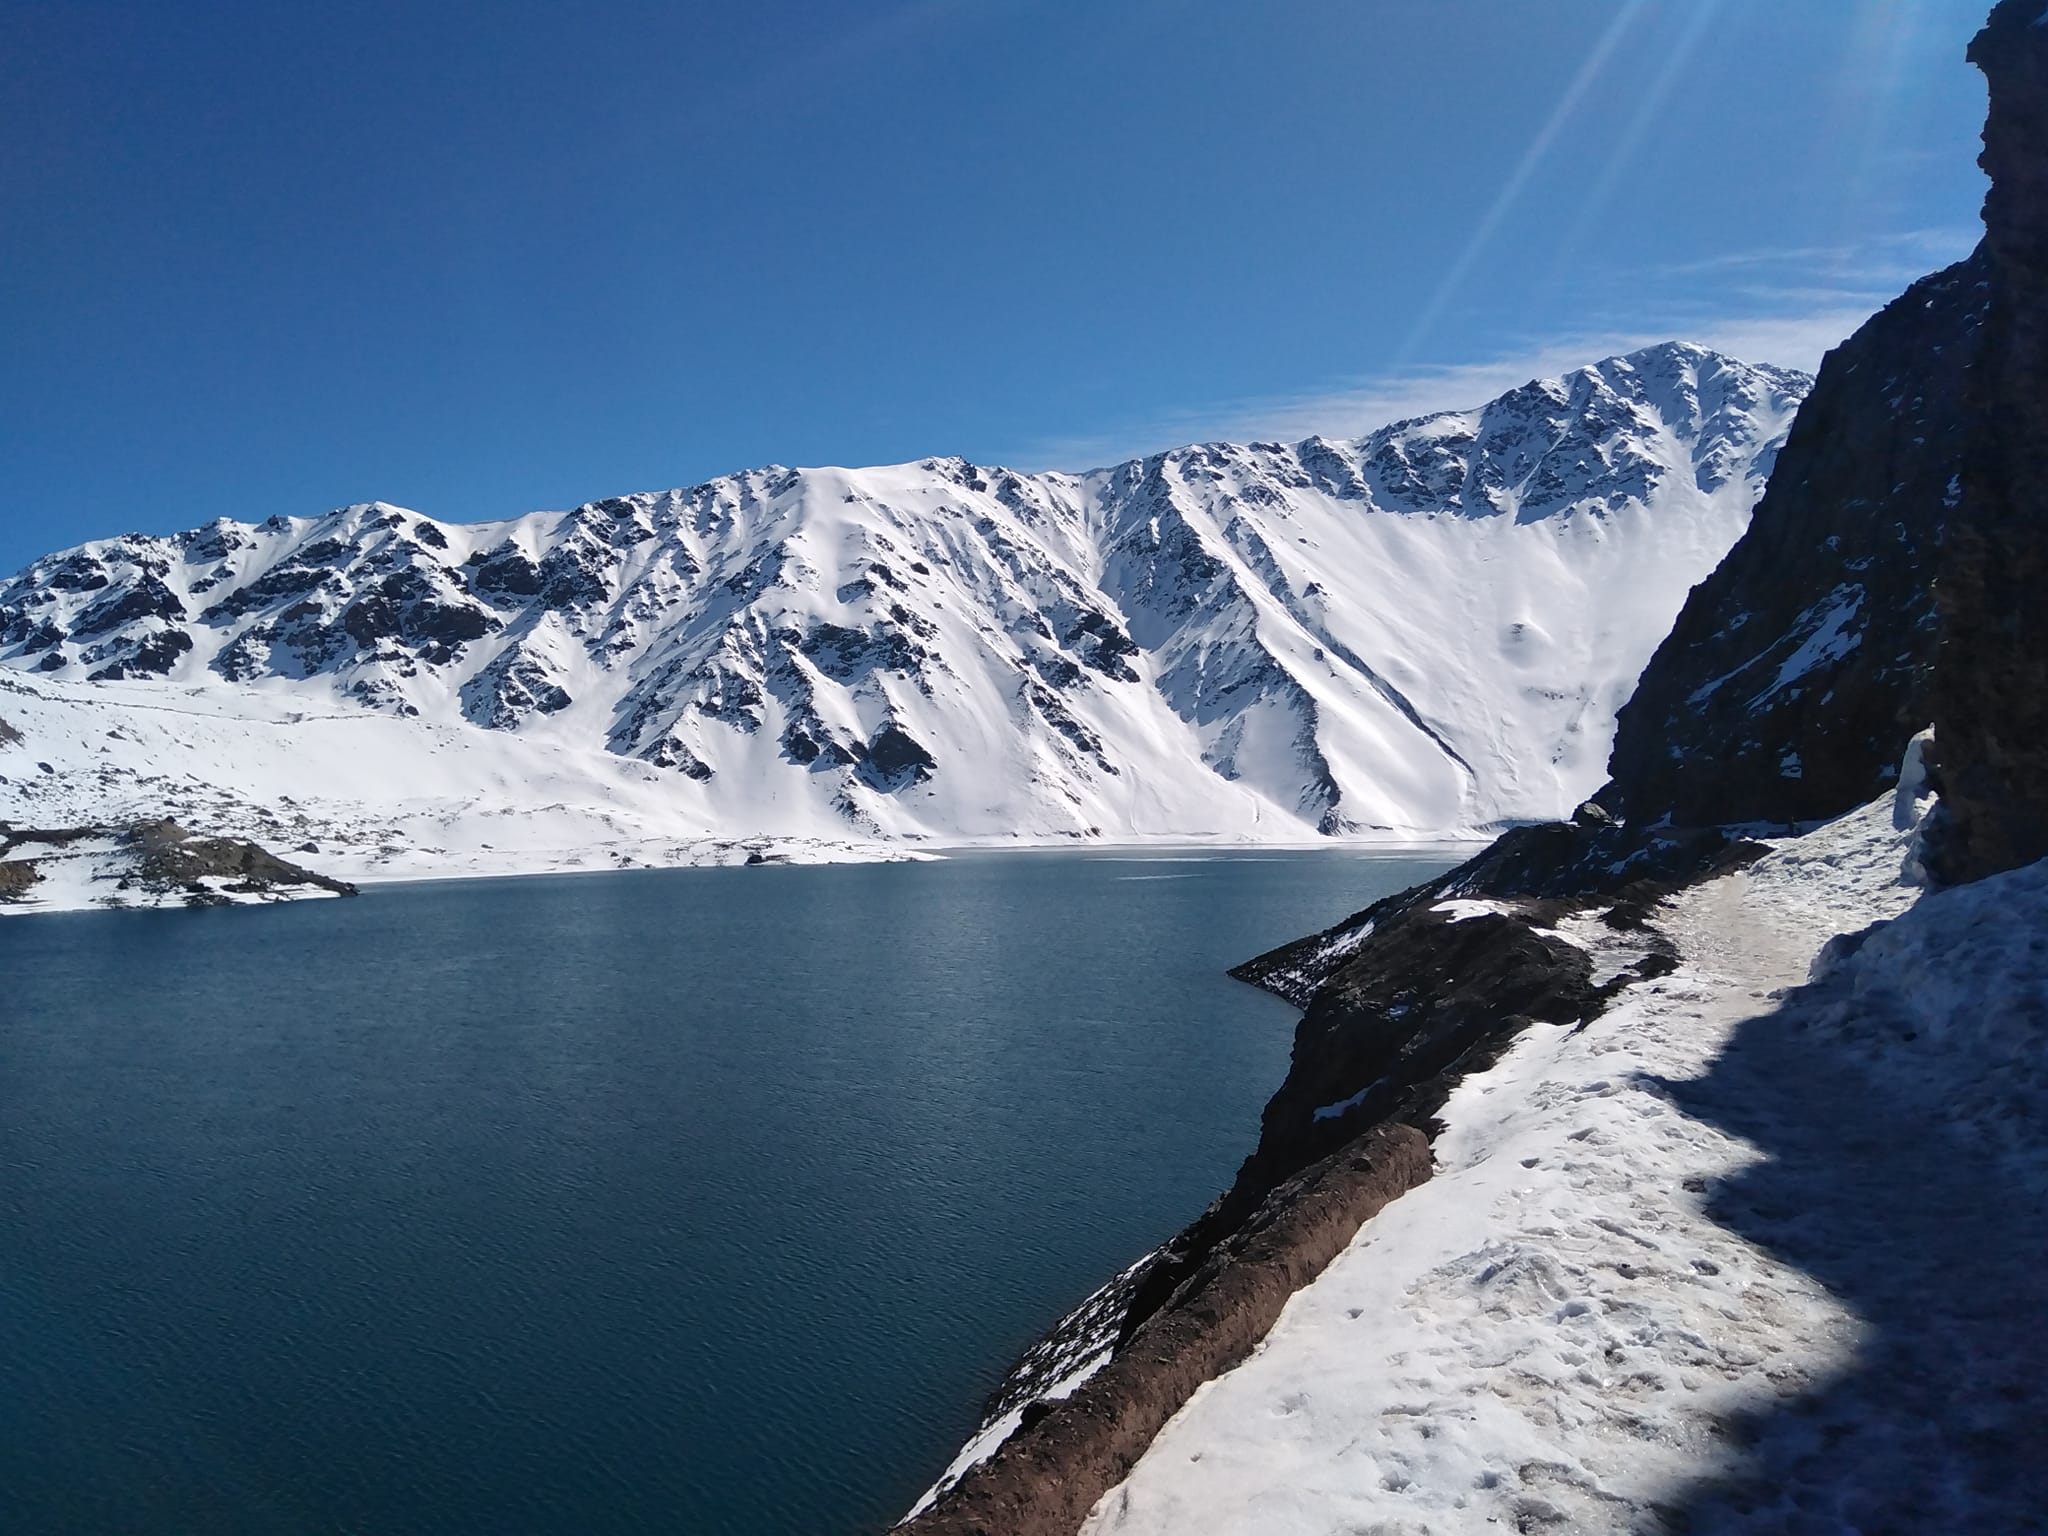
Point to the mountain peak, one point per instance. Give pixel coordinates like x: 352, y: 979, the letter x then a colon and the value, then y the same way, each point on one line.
x: 1421, y: 631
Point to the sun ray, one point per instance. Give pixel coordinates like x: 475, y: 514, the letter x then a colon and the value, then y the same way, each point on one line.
x: 1524, y: 170
x: 1700, y: 18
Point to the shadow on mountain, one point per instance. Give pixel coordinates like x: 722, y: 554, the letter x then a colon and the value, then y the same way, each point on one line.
x: 1937, y: 1422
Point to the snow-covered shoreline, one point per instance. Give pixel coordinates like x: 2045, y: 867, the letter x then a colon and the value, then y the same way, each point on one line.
x: 372, y: 799
x: 77, y: 895
x: 1628, y: 1298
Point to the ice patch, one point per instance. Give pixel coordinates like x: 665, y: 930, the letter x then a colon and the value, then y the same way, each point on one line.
x: 1464, y: 909
x: 1829, y: 641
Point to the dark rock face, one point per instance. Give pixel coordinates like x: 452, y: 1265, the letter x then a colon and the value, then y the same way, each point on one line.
x: 147, y: 598
x: 80, y: 573
x: 800, y: 746
x: 154, y: 657
x: 1427, y: 991
x: 896, y: 759
x: 511, y: 689
x: 670, y: 753
x: 1102, y: 644
x: 849, y: 655
x: 1991, y: 695
x: 286, y: 581
x: 8, y: 734
x: 1798, y: 669
x: 504, y: 571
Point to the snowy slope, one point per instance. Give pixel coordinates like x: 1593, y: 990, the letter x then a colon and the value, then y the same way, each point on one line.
x: 1425, y: 632
x: 1698, y: 1266
x: 358, y: 794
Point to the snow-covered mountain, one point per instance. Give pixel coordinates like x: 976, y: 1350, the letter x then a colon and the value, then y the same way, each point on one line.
x: 1423, y: 632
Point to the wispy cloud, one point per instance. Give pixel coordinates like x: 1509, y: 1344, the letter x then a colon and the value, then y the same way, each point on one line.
x: 1880, y: 259
x: 1790, y: 306
x: 1352, y: 408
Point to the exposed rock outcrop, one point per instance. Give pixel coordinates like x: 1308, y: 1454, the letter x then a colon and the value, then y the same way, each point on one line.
x: 168, y: 855
x: 1797, y: 668
x: 1991, y: 699
x: 148, y: 864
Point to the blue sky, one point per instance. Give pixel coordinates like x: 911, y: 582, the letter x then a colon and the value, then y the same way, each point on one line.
x: 485, y: 259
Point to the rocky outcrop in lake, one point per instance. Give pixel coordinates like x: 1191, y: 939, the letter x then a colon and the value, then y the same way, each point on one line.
x: 146, y: 864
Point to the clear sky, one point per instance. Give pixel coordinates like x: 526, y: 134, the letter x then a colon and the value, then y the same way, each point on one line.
x: 482, y: 259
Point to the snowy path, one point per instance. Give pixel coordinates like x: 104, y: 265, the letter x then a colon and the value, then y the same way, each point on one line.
x: 1712, y: 1263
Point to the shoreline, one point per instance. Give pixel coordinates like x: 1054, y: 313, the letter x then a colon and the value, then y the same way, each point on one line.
x: 768, y: 852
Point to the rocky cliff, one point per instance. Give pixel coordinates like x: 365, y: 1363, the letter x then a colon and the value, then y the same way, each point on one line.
x: 1799, y: 666
x: 1991, y: 694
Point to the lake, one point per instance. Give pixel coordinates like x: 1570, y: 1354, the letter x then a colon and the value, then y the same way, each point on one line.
x: 705, y: 1201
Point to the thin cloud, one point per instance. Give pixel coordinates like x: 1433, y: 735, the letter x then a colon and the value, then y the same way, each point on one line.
x: 1356, y: 408
x: 1789, y: 307
x: 1912, y: 250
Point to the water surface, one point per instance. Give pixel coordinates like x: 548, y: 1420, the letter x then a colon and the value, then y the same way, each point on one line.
x: 698, y: 1201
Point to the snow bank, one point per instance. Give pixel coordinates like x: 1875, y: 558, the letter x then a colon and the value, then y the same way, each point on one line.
x: 1597, y: 1314
x: 1948, y: 1008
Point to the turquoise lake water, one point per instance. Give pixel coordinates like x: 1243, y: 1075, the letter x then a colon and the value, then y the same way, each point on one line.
x: 697, y: 1201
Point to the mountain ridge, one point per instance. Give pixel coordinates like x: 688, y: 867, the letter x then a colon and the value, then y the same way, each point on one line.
x: 1422, y: 631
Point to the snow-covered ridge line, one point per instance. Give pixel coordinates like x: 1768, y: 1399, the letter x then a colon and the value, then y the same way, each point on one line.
x: 1421, y: 633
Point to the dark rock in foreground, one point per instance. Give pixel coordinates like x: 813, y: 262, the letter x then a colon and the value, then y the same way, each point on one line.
x: 1991, y: 699
x: 1797, y: 668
